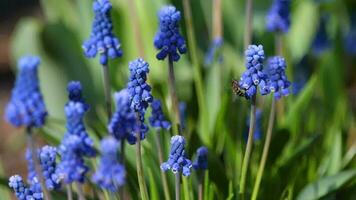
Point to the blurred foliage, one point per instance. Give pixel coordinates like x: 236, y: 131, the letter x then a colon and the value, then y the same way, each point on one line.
x: 312, y: 152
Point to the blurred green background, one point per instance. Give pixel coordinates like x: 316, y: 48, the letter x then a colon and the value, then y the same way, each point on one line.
x: 314, y: 140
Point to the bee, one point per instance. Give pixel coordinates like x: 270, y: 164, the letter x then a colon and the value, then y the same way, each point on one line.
x: 236, y: 89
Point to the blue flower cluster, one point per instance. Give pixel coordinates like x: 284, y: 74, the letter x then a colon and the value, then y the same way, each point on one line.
x: 75, y: 145
x: 350, y: 36
x: 168, y: 39
x: 47, y: 158
x: 278, y: 17
x: 183, y: 113
x: 26, y: 106
x: 110, y: 174
x: 139, y: 90
x: 254, y: 75
x: 321, y: 41
x: 74, y: 89
x: 201, y: 162
x: 157, y: 119
x: 123, y: 123
x: 213, y: 51
x: 278, y: 82
x: 22, y: 192
x: 177, y: 160
x: 102, y: 40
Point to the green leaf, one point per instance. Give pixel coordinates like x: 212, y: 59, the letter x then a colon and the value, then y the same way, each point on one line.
x: 326, y: 185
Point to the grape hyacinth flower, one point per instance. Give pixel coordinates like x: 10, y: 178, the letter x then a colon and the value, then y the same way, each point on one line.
x: 26, y: 106
x: 139, y: 90
x: 278, y: 17
x: 22, y: 192
x: 350, y: 37
x: 182, y: 112
x: 123, y: 123
x: 75, y: 145
x: 177, y: 160
x: 213, y: 51
x: 110, y: 174
x: 278, y: 82
x: 201, y: 162
x: 157, y: 119
x: 321, y: 41
x: 254, y: 75
x: 47, y: 158
x: 168, y: 39
x: 102, y: 40
x: 74, y: 89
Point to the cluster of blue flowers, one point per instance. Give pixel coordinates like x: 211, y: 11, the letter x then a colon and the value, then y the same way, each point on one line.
x: 110, y: 174
x: 123, y: 124
x: 168, y: 39
x: 321, y: 41
x: 47, y: 158
x: 213, y: 51
x: 76, y: 144
x: 254, y: 75
x: 201, y: 162
x: 157, y: 119
x: 278, y: 17
x: 26, y: 106
x: 22, y: 192
x: 102, y: 39
x: 277, y: 79
x: 177, y: 161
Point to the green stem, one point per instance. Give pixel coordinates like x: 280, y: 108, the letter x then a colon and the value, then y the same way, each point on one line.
x: 173, y: 94
x: 265, y: 150
x: 140, y: 173
x: 201, y: 186
x: 163, y: 175
x: 248, y: 23
x: 177, y: 185
x: 248, y: 151
x: 107, y: 90
x: 80, y: 192
x: 38, y: 168
x: 69, y: 192
x: 196, y: 66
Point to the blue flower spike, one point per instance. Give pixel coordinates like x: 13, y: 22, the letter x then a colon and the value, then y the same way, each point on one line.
x: 168, y: 39
x: 177, y: 161
x: 26, y: 106
x: 110, y: 174
x: 278, y: 17
x: 22, y: 192
x: 278, y: 82
x: 102, y: 39
x: 254, y: 75
x: 157, y: 119
x: 76, y: 143
x: 201, y: 162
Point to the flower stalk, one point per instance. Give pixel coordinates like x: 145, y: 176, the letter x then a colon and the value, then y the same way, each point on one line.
x: 38, y: 168
x: 107, y: 90
x: 174, y: 98
x: 80, y: 192
x: 265, y: 150
x: 177, y: 185
x: 69, y: 192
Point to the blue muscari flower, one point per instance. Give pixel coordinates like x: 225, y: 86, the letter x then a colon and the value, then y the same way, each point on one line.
x: 139, y: 90
x: 201, y: 162
x: 258, y: 127
x: 301, y: 75
x: 47, y: 158
x: 278, y: 17
x: 321, y: 41
x: 123, y: 123
x: 22, y: 192
x: 110, y: 174
x: 102, y: 40
x: 177, y: 160
x: 26, y: 106
x: 278, y: 82
x: 168, y: 39
x: 254, y: 75
x: 76, y: 144
x: 157, y: 119
x: 214, y: 51
x: 74, y: 89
